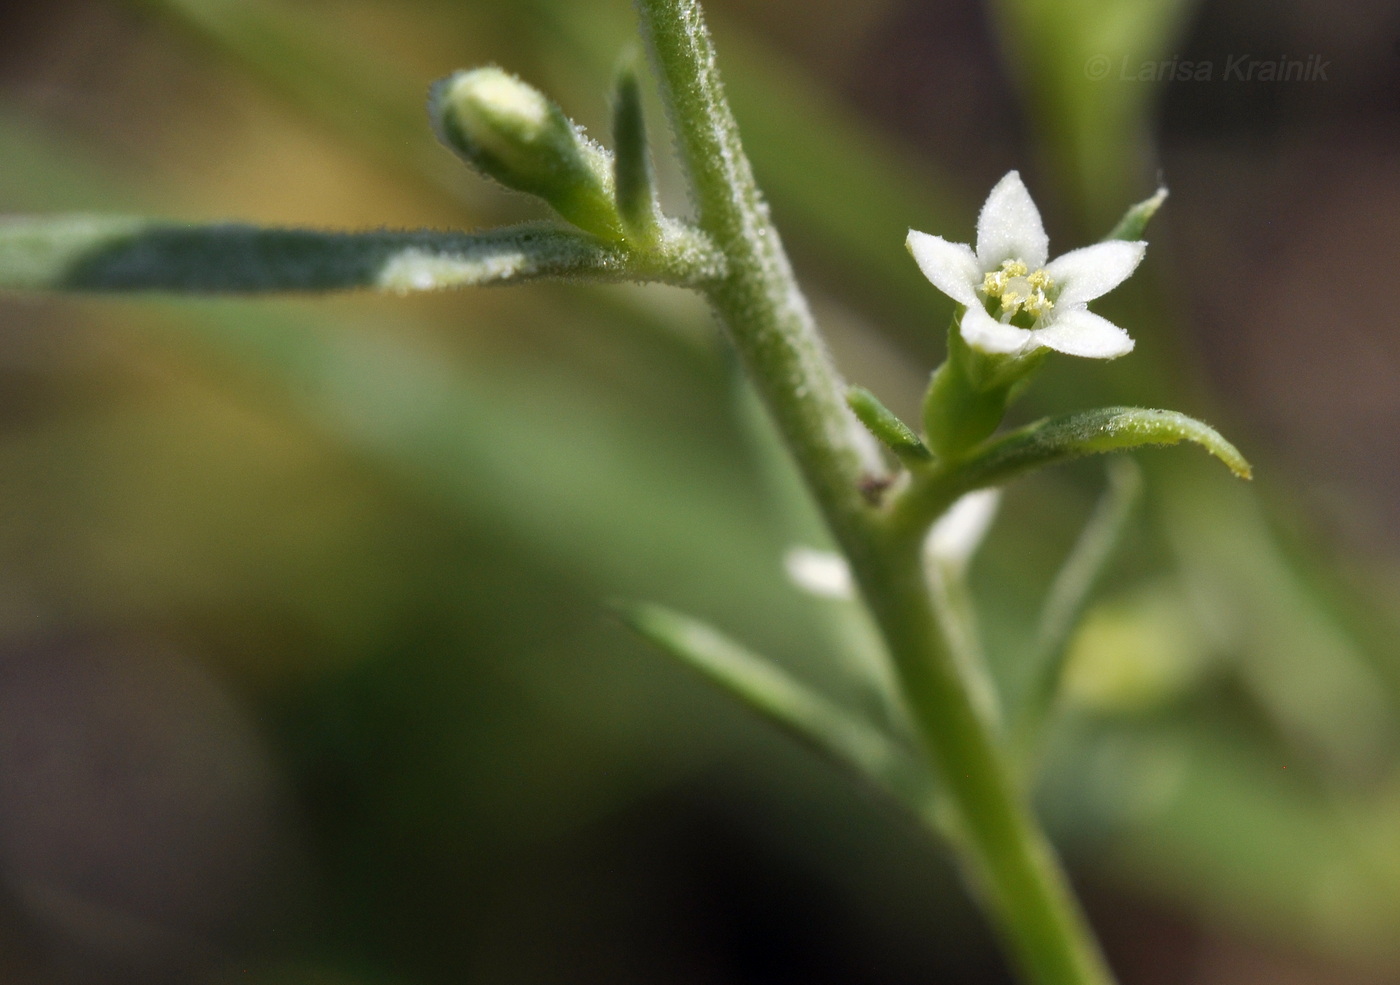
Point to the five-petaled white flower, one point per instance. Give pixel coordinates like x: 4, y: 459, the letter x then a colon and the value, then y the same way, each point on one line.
x: 1016, y: 302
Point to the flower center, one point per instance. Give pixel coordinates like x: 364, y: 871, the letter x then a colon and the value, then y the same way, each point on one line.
x: 1017, y: 295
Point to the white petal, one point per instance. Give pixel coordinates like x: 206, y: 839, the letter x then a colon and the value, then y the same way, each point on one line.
x: 1092, y: 271
x: 821, y: 573
x: 1078, y: 332
x: 951, y: 267
x: 983, y: 332
x: 1009, y: 227
x: 958, y: 532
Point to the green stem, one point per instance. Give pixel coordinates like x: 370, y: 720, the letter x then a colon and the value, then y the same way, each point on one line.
x: 1007, y: 857
x: 758, y: 301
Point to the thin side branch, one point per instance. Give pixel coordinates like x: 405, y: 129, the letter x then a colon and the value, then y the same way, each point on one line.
x: 1069, y: 596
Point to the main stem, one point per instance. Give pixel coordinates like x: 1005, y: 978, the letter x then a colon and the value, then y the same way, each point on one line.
x: 1008, y: 860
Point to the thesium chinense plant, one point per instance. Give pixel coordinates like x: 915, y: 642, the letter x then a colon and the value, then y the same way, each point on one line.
x: 906, y: 506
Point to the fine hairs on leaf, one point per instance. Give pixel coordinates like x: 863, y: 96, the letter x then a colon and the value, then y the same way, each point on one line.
x: 893, y: 433
x: 1050, y: 442
x: 104, y: 253
x: 1062, y: 439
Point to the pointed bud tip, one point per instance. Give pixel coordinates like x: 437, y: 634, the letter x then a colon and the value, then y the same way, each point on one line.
x: 511, y: 132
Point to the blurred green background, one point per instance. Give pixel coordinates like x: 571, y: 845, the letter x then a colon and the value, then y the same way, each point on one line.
x: 305, y: 674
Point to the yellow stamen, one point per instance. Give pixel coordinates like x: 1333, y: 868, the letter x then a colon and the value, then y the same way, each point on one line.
x: 1017, y: 289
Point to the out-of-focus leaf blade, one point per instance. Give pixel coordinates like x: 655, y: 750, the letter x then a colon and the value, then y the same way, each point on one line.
x: 354, y: 91
x: 787, y: 703
x: 867, y: 680
x: 1078, y: 63
x: 94, y: 253
x: 1326, y: 695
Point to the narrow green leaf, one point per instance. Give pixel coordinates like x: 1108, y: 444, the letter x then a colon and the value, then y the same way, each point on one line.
x: 1062, y: 439
x: 96, y: 253
x: 634, y: 181
x: 889, y: 429
x: 1069, y: 596
x: 1135, y: 220
x: 838, y: 736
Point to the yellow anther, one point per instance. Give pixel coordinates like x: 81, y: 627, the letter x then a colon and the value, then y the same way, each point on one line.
x: 995, y: 281
x: 1037, y: 304
x: 1018, y: 290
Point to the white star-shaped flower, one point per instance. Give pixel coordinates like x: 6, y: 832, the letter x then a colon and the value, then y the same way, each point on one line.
x: 1016, y: 302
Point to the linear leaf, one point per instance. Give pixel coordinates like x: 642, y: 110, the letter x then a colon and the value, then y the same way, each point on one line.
x: 633, y: 178
x: 791, y: 705
x: 1062, y: 439
x: 97, y: 253
x: 880, y: 421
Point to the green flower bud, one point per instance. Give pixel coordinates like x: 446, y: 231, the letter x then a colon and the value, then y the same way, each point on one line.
x: 511, y: 132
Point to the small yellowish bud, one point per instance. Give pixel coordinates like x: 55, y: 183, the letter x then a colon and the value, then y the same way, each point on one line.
x: 511, y: 132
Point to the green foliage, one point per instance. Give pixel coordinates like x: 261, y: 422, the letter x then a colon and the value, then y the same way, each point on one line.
x: 633, y: 179
x: 847, y: 741
x: 893, y: 433
x: 1135, y: 220
x: 1093, y: 432
x: 100, y: 253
